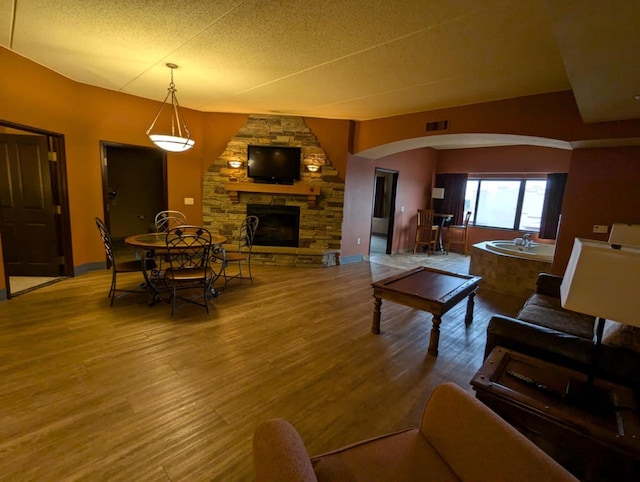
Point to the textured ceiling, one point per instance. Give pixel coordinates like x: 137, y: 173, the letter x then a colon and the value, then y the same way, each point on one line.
x: 350, y: 59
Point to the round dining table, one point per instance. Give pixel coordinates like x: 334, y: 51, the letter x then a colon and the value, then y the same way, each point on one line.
x: 151, y: 242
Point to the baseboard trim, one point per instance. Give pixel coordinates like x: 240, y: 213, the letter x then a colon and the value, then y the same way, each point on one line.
x: 356, y: 258
x: 85, y: 268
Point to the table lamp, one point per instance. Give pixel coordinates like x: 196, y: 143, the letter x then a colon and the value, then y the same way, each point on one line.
x: 601, y: 280
x: 624, y: 235
x: 437, y: 193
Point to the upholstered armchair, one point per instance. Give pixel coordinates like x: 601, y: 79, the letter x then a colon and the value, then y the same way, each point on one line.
x: 459, y: 439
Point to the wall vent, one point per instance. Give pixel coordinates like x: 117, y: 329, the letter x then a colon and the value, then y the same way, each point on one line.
x: 437, y: 125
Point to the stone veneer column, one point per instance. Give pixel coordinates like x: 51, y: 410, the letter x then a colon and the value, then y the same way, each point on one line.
x: 320, y: 226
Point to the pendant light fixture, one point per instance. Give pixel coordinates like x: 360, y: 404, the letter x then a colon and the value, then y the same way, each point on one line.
x: 174, y: 140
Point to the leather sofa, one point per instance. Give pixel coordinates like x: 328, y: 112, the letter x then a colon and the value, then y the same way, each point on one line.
x: 460, y: 438
x: 545, y: 330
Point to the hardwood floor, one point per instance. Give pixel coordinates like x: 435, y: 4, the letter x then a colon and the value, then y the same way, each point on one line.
x: 90, y: 392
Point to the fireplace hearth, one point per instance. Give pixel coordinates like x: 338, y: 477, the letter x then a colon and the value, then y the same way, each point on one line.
x: 277, y: 226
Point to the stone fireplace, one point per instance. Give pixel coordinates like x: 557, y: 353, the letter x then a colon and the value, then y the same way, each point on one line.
x: 318, y: 196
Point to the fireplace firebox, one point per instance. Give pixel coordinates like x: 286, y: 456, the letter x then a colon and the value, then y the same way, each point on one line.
x: 277, y: 226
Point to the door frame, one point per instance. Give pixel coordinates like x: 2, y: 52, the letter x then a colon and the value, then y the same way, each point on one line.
x: 105, y: 176
x: 59, y: 194
x: 392, y: 206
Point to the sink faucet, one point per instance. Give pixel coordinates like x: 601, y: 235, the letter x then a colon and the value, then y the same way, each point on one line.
x: 527, y: 242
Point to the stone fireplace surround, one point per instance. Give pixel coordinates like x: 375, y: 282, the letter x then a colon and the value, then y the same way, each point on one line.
x: 320, y: 223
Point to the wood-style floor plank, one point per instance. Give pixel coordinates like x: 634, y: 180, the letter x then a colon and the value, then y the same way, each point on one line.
x: 90, y: 392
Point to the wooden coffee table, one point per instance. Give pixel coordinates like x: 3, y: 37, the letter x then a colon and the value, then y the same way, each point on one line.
x: 592, y: 445
x: 429, y: 290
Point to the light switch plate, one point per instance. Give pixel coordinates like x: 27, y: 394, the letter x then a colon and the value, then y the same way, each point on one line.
x: 188, y: 201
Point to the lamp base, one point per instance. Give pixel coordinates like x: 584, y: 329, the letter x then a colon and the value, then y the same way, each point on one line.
x: 585, y: 395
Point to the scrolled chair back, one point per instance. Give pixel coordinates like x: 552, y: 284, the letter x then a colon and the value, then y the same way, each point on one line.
x: 189, y: 246
x: 247, y: 233
x: 166, y: 220
x: 106, y: 240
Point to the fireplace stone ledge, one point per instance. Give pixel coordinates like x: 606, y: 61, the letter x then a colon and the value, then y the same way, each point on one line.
x: 289, y: 256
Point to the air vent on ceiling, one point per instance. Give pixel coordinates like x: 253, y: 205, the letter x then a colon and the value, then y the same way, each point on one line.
x: 437, y: 125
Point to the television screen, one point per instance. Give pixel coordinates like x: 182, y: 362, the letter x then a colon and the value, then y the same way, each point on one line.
x: 273, y: 164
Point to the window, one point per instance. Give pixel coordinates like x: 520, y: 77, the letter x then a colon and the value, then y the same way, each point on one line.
x: 506, y: 203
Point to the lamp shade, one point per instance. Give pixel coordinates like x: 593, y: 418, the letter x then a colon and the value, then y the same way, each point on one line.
x: 172, y: 139
x: 172, y: 143
x: 625, y: 234
x: 437, y: 193
x: 602, y: 281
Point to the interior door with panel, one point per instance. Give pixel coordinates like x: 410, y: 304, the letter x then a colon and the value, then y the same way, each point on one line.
x: 27, y: 213
x: 134, y: 182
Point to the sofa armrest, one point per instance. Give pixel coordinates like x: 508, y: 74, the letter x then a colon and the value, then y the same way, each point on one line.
x: 538, y: 341
x: 479, y: 445
x: 279, y: 454
x: 548, y: 284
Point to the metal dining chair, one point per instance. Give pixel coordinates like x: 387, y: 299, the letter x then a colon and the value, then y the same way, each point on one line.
x: 188, y: 250
x: 243, y: 255
x: 165, y: 220
x: 122, y: 266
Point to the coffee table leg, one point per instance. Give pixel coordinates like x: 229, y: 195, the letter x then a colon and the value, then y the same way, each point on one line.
x: 435, y: 336
x: 375, y: 326
x: 469, y: 318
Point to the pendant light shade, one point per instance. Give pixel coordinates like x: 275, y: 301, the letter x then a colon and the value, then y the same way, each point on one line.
x: 177, y: 138
x: 172, y: 143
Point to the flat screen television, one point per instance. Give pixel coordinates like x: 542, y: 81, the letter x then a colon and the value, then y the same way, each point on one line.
x: 273, y: 164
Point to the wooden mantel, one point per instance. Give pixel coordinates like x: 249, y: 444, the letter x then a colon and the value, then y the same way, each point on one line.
x: 312, y: 192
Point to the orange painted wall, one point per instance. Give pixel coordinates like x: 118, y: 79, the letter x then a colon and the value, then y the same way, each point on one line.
x: 37, y: 97
x: 334, y: 138
x: 415, y: 176
x: 225, y: 126
x: 495, y: 160
x: 554, y: 115
x: 506, y: 159
x: 602, y: 188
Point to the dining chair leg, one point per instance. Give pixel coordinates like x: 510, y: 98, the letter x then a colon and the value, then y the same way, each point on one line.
x: 173, y: 301
x: 206, y: 298
x: 248, y: 270
x: 112, y: 290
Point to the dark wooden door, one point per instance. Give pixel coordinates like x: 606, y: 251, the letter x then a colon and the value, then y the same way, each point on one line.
x: 29, y: 242
x: 134, y: 182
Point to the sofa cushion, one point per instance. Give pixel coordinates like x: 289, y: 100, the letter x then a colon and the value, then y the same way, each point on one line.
x: 543, y: 329
x: 401, y: 456
x: 548, y: 312
x: 544, y: 301
x: 620, y: 335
